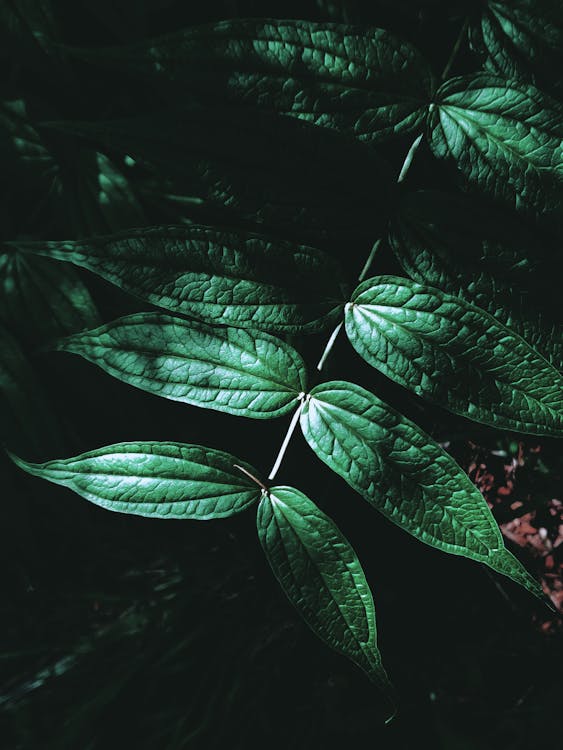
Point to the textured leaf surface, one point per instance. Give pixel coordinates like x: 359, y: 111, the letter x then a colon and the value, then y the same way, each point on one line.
x: 491, y: 259
x: 159, y: 480
x: 454, y: 354
x: 42, y: 299
x: 233, y: 370
x: 522, y: 39
x: 405, y: 475
x: 358, y: 80
x: 321, y: 575
x: 505, y: 137
x: 235, y: 278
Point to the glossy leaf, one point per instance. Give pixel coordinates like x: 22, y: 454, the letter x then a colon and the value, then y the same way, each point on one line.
x: 358, y: 80
x: 522, y: 39
x: 321, y: 575
x: 455, y: 355
x: 158, y: 480
x: 405, y: 475
x: 42, y: 299
x: 506, y: 139
x: 490, y: 258
x: 221, y: 276
x: 233, y: 370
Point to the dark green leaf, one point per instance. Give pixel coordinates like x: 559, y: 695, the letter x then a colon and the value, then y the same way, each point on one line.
x: 241, y: 372
x: 321, y: 575
x: 405, y: 475
x: 489, y: 258
x: 63, y: 182
x: 268, y: 170
x: 26, y: 418
x: 362, y: 81
x: 236, y: 278
x: 506, y: 138
x: 522, y: 39
x: 454, y: 354
x: 159, y: 480
x: 41, y: 298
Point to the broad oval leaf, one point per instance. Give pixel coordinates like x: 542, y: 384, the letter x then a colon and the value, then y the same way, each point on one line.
x: 220, y: 276
x: 42, y: 299
x: 454, y: 354
x: 506, y: 138
x: 405, y: 475
x: 490, y: 258
x: 363, y: 81
x: 158, y: 480
x: 521, y: 39
x: 321, y: 575
x: 233, y: 370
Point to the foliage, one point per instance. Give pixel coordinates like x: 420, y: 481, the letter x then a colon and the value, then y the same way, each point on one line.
x: 228, y: 175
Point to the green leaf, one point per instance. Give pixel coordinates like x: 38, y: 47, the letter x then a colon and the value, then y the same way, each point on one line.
x: 363, y: 81
x: 233, y: 370
x: 455, y: 355
x: 490, y: 258
x: 158, y: 480
x: 506, y: 138
x: 321, y: 575
x: 238, y: 278
x: 405, y: 475
x: 42, y: 299
x: 522, y: 39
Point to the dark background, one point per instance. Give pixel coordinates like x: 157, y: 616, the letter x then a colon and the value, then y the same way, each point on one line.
x: 119, y: 631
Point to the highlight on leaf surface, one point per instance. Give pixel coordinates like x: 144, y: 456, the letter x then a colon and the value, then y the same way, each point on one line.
x: 454, y: 354
x: 157, y: 480
x: 358, y: 80
x: 405, y: 475
x: 219, y: 276
x: 505, y: 138
x: 234, y: 370
x: 491, y: 258
x: 321, y: 576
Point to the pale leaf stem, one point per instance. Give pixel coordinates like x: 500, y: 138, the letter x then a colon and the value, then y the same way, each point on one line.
x: 287, y: 438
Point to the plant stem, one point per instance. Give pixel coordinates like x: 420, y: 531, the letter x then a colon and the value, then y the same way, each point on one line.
x: 455, y: 50
x: 287, y: 438
x: 334, y: 335
x: 251, y: 476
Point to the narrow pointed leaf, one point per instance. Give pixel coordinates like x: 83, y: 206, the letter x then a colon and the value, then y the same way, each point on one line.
x: 522, y: 39
x: 455, y: 355
x: 491, y: 259
x: 506, y: 139
x: 358, y: 80
x: 405, y: 475
x: 158, y: 480
x: 235, y: 278
x: 321, y: 575
x: 233, y: 370
x: 42, y: 299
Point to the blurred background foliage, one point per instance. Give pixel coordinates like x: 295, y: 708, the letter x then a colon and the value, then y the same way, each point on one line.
x: 119, y: 631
